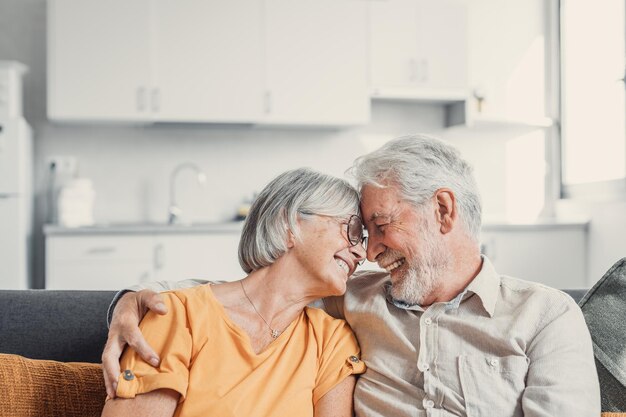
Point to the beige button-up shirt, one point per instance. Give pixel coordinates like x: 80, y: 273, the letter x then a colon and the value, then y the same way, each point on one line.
x: 503, y: 347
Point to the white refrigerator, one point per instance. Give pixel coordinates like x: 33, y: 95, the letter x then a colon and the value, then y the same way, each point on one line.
x: 15, y: 184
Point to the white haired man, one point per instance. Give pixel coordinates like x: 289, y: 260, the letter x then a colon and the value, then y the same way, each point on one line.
x: 441, y: 333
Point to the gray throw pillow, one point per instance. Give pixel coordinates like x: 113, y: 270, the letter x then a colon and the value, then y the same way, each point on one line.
x: 604, y: 307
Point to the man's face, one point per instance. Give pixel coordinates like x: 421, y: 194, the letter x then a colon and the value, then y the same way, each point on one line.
x: 405, y: 241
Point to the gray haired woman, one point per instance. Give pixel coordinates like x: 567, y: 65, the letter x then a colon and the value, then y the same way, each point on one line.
x: 253, y: 347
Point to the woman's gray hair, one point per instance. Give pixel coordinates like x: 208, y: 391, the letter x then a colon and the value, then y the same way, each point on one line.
x: 291, y: 196
x: 419, y: 165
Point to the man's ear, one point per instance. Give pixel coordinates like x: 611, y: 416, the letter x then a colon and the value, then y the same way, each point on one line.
x: 446, y: 209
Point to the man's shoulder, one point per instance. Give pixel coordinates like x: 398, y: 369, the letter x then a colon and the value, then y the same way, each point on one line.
x: 365, y: 289
x: 365, y: 281
x: 521, y: 291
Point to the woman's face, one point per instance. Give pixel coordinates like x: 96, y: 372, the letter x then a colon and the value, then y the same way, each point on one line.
x: 325, y: 252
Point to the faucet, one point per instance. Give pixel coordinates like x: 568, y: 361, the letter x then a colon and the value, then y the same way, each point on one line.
x: 175, y: 212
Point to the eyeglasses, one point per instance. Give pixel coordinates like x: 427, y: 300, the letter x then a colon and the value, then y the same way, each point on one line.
x: 356, y: 233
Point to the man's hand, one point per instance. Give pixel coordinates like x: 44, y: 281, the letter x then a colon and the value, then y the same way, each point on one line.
x: 124, y: 329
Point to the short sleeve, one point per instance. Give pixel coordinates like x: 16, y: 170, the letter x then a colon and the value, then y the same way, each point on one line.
x: 170, y: 337
x: 340, y: 357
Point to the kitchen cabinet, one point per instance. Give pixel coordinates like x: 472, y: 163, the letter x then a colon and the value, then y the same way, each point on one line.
x: 203, y: 256
x: 207, y: 60
x: 104, y: 261
x: 316, y: 62
x: 99, y: 60
x: 98, y: 262
x: 155, y: 60
x: 418, y: 50
x: 552, y: 254
x: 508, y: 73
x: 250, y: 61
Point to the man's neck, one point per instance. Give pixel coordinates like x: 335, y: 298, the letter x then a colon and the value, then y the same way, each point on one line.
x: 455, y: 279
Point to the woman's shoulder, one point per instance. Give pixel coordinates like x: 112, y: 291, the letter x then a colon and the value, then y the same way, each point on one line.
x: 323, y: 323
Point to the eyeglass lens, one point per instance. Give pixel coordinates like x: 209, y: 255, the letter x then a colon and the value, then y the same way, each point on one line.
x: 355, y: 231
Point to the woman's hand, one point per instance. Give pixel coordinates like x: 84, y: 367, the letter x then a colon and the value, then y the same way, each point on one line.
x: 124, y: 329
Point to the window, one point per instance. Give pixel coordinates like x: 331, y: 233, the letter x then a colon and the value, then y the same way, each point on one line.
x: 593, y: 99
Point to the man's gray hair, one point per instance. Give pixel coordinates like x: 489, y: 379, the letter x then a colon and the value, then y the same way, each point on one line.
x: 292, y: 195
x: 420, y: 165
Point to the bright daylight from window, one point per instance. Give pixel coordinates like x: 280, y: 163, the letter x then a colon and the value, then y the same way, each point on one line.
x: 593, y: 102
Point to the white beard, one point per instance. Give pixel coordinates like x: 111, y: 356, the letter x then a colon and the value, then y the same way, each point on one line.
x: 423, y: 275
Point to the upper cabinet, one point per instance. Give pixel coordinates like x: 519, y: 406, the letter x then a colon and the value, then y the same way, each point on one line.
x: 206, y: 60
x: 508, y: 71
x: 99, y: 59
x: 316, y: 62
x: 418, y: 50
x: 155, y: 60
x: 249, y: 61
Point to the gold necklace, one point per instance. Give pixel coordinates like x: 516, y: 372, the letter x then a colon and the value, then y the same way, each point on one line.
x: 273, y: 332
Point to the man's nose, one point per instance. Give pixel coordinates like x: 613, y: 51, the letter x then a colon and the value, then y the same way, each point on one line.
x: 374, y: 247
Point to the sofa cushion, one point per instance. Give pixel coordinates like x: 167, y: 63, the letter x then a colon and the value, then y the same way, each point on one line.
x: 604, y: 307
x: 32, y: 387
x: 66, y: 326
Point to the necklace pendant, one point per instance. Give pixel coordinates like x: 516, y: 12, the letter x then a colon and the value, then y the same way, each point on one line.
x: 275, y: 333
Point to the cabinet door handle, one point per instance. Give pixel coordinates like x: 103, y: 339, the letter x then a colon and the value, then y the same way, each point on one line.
x: 159, y: 256
x: 101, y: 250
x: 268, y: 102
x: 141, y: 99
x: 424, y: 70
x: 155, y: 100
x: 412, y: 70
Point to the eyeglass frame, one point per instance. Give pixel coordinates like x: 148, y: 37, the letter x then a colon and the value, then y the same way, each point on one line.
x: 362, y: 238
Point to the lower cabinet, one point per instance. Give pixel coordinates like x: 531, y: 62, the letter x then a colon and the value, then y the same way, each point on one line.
x: 112, y: 262
x: 552, y: 255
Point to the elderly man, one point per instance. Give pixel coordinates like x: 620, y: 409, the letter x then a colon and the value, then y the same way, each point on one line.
x: 441, y: 332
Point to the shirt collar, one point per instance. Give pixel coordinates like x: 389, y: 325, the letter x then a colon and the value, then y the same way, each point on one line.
x: 485, y: 285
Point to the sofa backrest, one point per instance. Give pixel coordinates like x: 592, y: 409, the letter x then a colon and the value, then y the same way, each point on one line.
x: 67, y: 326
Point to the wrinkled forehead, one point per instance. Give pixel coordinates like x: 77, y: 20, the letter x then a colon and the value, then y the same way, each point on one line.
x: 379, y: 201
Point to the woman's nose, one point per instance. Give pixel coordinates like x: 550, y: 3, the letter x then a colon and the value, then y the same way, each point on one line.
x: 358, y: 251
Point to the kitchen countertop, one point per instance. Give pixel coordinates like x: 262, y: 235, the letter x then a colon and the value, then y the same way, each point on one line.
x: 236, y: 226
x: 144, y: 228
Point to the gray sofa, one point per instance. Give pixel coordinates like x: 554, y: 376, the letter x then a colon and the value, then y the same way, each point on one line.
x: 66, y: 326
x: 70, y: 326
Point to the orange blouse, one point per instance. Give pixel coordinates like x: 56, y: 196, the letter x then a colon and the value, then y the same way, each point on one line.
x: 209, y: 360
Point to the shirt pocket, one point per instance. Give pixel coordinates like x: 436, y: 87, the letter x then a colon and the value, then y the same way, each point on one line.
x: 492, y: 385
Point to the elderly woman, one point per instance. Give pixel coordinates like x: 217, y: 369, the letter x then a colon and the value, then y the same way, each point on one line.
x: 275, y: 356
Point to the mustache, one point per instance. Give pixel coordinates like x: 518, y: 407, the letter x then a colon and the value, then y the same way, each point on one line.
x: 388, y: 256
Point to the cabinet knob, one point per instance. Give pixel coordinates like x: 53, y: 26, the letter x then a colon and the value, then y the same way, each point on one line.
x: 141, y: 99
x: 101, y: 250
x: 155, y: 100
x: 268, y: 102
x: 159, y: 256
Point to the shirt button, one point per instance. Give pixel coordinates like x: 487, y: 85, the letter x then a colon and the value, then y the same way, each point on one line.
x: 354, y: 359
x: 128, y: 375
x: 428, y: 321
x: 493, y: 362
x: 429, y: 403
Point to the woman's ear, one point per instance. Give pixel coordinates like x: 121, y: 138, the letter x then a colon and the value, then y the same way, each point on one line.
x: 291, y: 239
